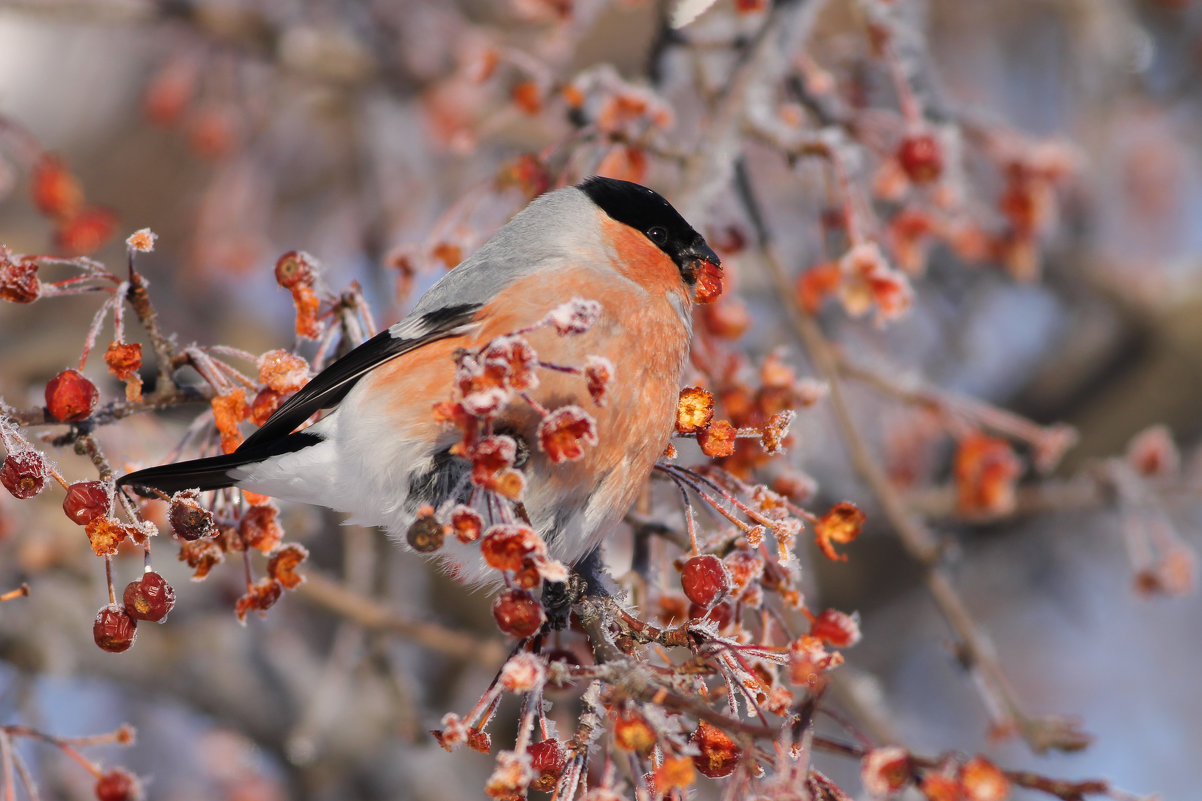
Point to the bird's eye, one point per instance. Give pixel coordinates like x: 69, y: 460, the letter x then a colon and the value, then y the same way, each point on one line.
x: 658, y: 235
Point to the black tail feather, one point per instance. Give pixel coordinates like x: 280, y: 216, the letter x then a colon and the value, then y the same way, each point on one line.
x: 212, y: 472
x: 204, y: 474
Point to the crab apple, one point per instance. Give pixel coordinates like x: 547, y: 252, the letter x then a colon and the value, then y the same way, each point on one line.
x: 547, y: 760
x: 23, y: 473
x: 86, y: 501
x: 921, y: 158
x: 114, y: 630
x: 518, y: 613
x: 118, y: 785
x: 705, y: 580
x: 149, y: 598
x: 70, y: 396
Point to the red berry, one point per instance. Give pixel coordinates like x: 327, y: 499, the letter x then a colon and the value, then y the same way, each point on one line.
x: 293, y: 268
x: 717, y: 755
x: 518, y: 613
x: 86, y: 501
x: 721, y: 614
x: 189, y: 520
x: 547, y: 760
x: 70, y: 396
x: 118, y: 785
x: 705, y: 580
x: 18, y: 280
x: 149, y: 598
x: 23, y: 473
x: 921, y: 157
x: 114, y: 630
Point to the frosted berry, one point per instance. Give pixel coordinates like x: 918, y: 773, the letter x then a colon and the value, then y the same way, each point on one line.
x: 547, y: 760
x: 189, y: 520
x: 70, y: 396
x: 149, y: 598
x: 426, y: 534
x: 921, y: 158
x: 23, y: 473
x: 518, y: 613
x: 705, y: 580
x: 118, y: 785
x: 717, y: 755
x: 720, y: 615
x: 632, y: 732
x: 86, y: 501
x: 294, y: 268
x: 114, y: 630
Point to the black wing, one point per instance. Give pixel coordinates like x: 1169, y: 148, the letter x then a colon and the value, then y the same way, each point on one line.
x: 330, y: 386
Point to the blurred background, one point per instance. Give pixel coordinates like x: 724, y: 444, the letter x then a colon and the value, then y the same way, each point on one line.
x: 1058, y: 275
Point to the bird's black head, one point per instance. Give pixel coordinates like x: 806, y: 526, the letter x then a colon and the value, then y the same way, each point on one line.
x: 645, y: 211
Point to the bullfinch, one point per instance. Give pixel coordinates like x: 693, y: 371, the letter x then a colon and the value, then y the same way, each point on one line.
x: 379, y: 453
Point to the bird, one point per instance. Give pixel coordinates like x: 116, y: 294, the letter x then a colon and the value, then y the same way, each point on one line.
x: 379, y: 454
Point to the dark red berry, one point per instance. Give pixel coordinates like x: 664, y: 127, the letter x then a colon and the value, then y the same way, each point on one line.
x: 547, y: 760
x: 70, y: 396
x: 921, y: 157
x: 114, y: 630
x: 518, y: 613
x: 18, y: 280
x: 426, y: 534
x: 118, y: 785
x: 149, y: 598
x: 705, y: 580
x: 23, y: 473
x: 721, y: 614
x: 86, y: 501
x: 293, y: 268
x: 189, y: 520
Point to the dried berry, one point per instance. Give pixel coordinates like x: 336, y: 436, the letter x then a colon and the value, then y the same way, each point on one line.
x: 189, y: 520
x: 718, y: 440
x: 886, y: 770
x: 295, y: 268
x: 70, y: 396
x: 86, y: 501
x: 632, y: 732
x: 981, y: 780
x: 717, y: 754
x: 260, y: 597
x: 149, y: 598
x: 518, y: 613
x: 836, y: 628
x: 259, y: 527
x: 564, y: 433
x: 118, y: 785
x: 547, y: 760
x: 18, y: 279
x: 425, y: 534
x: 705, y: 580
x: 694, y: 410
x: 505, y: 547
x: 921, y: 157
x: 720, y: 615
x: 123, y: 359
x: 283, y: 564
x: 23, y: 473
x: 114, y: 630
x: 709, y: 282
x: 841, y: 525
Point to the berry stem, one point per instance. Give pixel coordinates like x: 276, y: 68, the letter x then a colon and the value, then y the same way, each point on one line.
x: 19, y: 592
x: 108, y: 577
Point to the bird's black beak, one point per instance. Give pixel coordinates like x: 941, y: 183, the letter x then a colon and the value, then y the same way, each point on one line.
x: 694, y: 258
